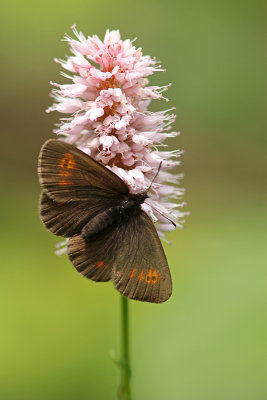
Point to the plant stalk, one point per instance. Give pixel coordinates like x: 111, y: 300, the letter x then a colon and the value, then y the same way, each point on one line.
x: 124, y: 392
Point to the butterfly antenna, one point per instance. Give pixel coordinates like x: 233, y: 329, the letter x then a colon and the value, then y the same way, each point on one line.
x: 159, y: 167
x: 164, y: 216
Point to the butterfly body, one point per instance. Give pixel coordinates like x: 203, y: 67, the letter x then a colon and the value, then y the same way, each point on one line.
x: 110, y: 236
x: 121, y: 211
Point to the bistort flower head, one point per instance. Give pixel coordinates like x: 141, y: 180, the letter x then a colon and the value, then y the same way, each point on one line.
x: 107, y: 101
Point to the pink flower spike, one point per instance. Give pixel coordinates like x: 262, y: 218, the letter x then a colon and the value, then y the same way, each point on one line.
x: 107, y: 101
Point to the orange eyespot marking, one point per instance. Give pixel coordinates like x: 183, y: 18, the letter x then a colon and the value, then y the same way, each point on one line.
x: 159, y: 277
x: 100, y: 263
x: 60, y: 204
x: 67, y: 162
x: 141, y: 276
x: 154, y: 276
x: 132, y: 273
x: 149, y: 276
x: 64, y: 182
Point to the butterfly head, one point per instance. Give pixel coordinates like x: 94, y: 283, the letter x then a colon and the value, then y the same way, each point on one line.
x: 139, y: 198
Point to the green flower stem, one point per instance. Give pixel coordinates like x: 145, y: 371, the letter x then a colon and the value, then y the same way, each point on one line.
x: 124, y: 389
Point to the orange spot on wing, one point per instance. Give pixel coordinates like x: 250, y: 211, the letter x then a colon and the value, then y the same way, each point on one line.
x: 67, y: 161
x: 99, y: 264
x: 64, y: 173
x: 149, y: 276
x: 140, y: 277
x: 64, y: 182
x: 154, y: 276
x: 159, y: 277
x: 132, y: 273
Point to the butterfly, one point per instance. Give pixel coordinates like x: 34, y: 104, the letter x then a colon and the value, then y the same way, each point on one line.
x: 110, y: 236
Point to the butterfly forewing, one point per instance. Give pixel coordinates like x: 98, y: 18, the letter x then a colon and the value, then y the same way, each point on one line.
x: 141, y: 272
x: 129, y: 253
x: 68, y: 174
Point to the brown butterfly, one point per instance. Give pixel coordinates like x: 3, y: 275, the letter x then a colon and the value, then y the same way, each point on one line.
x: 111, y: 237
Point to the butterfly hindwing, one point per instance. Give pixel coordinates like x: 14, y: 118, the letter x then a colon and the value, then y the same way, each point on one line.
x: 68, y: 174
x: 94, y: 258
x: 129, y: 253
x: 68, y: 219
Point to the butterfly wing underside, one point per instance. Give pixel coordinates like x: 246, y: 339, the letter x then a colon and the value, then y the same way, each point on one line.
x: 129, y: 253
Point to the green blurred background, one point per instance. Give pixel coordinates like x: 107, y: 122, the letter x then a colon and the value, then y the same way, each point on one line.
x: 209, y: 341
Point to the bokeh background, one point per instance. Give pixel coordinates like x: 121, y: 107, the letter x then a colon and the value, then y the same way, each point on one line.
x: 209, y: 340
